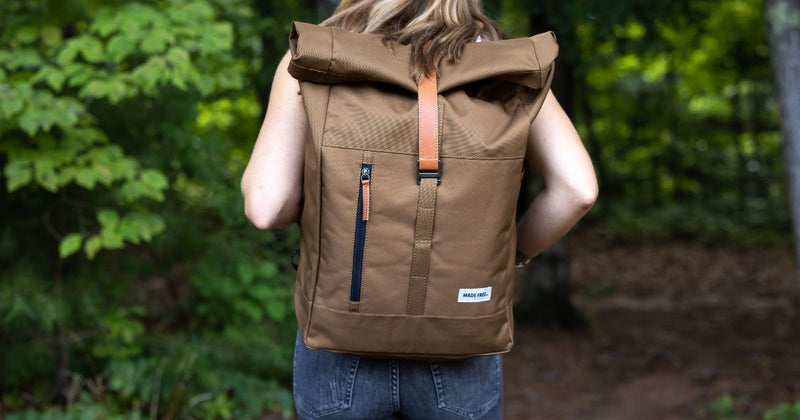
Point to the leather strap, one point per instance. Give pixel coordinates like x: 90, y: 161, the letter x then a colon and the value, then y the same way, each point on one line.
x: 428, y: 124
x: 426, y: 200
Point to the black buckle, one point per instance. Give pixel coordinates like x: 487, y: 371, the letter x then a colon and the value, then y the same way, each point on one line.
x: 430, y: 174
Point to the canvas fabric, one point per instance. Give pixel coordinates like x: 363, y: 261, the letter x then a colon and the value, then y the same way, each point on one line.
x: 362, y: 108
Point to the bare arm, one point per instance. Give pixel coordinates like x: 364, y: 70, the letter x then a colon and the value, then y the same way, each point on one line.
x: 273, y: 180
x: 556, y: 152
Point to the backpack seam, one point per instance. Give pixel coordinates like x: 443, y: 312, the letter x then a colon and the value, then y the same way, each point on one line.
x: 319, y: 217
x: 330, y: 60
x: 414, y: 154
x: 404, y: 315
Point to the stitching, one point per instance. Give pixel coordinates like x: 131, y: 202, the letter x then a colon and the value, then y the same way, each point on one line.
x: 366, y: 228
x: 404, y: 315
x: 413, y: 154
x: 353, y: 245
x: 333, y: 73
x: 330, y: 60
x: 319, y: 217
x: 395, y: 385
x: 538, y: 62
x: 436, y: 124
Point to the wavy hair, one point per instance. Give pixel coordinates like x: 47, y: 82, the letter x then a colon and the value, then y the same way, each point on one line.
x: 450, y: 24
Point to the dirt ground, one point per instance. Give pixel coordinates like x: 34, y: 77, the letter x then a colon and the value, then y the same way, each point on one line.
x: 672, y: 327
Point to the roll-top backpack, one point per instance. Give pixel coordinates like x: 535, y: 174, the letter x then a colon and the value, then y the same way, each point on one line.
x: 408, y: 231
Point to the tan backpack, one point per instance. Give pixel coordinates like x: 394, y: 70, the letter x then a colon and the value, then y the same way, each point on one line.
x: 408, y: 231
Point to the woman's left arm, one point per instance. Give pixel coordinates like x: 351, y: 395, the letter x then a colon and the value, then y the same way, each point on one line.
x: 272, y: 183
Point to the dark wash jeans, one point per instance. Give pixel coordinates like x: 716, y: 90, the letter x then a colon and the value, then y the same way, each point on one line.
x: 342, y: 386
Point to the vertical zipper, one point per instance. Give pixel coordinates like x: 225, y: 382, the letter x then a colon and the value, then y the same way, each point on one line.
x: 362, y: 215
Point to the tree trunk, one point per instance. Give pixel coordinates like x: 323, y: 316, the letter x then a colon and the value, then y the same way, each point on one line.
x: 544, y: 297
x: 783, y: 23
x: 263, y: 79
x: 326, y: 7
x: 544, y: 292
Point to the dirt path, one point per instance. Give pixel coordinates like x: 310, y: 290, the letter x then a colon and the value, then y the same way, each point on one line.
x: 673, y: 327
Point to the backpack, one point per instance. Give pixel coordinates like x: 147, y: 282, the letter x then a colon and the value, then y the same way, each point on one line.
x: 408, y: 229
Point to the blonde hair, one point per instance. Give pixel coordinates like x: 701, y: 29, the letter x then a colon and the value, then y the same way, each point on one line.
x: 450, y: 24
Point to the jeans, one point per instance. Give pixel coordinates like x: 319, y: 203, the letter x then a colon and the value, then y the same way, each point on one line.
x: 342, y: 386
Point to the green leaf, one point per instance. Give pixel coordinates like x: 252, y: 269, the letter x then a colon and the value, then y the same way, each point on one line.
x: 218, y: 38
x: 128, y: 231
x: 23, y: 58
x: 153, y: 43
x: 178, y: 15
x: 267, y: 269
x: 78, y: 73
x: 92, y: 246
x: 95, y: 89
x: 11, y: 104
x: 45, y: 174
x: 117, y: 91
x: 149, y: 74
x: 104, y: 175
x: 18, y: 174
x: 70, y: 245
x: 108, y: 218
x: 29, y: 122
x: 154, y: 179
x: 91, y: 48
x: 131, y: 191
x: 66, y: 175
x: 249, y: 309
x: 51, y: 35
x: 112, y: 239
x: 120, y: 47
x: 26, y: 34
x: 86, y: 178
x: 276, y: 310
x: 261, y: 292
x: 68, y: 53
x: 106, y: 22
x: 47, y: 118
x: 54, y: 77
x: 146, y: 224
x: 199, y: 11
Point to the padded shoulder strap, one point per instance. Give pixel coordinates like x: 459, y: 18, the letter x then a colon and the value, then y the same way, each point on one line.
x: 332, y: 55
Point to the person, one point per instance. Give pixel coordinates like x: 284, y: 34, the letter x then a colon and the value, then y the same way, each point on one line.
x: 341, y: 386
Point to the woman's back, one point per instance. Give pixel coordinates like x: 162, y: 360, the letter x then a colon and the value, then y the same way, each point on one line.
x: 333, y: 385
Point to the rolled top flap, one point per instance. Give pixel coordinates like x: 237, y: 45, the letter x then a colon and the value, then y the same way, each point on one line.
x: 331, y: 55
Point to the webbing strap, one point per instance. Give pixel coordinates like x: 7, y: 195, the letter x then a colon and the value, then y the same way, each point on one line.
x: 426, y: 200
x: 421, y: 257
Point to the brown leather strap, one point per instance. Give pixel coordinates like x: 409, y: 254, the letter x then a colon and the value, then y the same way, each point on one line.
x: 426, y: 201
x: 428, y: 124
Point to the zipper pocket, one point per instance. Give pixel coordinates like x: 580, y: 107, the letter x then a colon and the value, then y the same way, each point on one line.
x: 362, y: 216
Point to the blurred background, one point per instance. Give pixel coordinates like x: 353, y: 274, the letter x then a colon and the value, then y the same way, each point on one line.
x: 132, y: 285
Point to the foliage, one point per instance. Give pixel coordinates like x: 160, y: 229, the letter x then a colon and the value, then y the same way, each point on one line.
x: 784, y: 412
x: 675, y: 104
x: 724, y: 408
x: 721, y: 409
x: 132, y: 284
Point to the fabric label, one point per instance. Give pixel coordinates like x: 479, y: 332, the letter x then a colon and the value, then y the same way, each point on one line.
x: 482, y: 294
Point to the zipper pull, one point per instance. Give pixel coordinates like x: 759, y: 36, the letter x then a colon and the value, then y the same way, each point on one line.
x: 365, y: 178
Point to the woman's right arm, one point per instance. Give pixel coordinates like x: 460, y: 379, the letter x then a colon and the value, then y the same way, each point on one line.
x: 556, y: 152
x: 272, y: 184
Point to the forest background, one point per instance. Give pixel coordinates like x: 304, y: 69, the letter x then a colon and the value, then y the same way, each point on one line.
x: 132, y: 284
